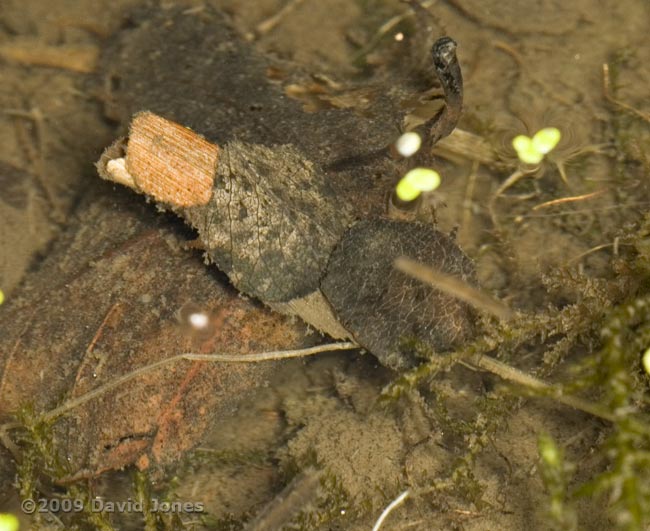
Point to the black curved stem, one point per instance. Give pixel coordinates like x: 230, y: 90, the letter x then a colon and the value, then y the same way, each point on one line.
x: 448, y: 71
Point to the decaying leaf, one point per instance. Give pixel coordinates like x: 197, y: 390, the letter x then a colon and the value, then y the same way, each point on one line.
x: 124, y: 287
x: 288, y: 186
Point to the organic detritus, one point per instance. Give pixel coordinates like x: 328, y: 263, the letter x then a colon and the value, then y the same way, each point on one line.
x: 289, y: 188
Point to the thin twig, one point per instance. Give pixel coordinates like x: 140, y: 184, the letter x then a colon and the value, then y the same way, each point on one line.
x: 576, y: 259
x: 94, y: 341
x: 455, y: 287
x: 518, y: 174
x: 395, y: 503
x: 561, y: 163
x: 268, y: 24
x: 37, y: 156
x: 512, y: 180
x: 222, y: 358
x: 293, y: 498
x: 511, y: 374
x: 484, y: 302
x: 569, y: 199
x: 609, y: 97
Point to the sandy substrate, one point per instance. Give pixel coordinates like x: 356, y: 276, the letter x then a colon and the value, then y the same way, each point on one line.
x: 522, y: 72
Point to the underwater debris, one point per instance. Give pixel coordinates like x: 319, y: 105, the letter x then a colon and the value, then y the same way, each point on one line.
x: 277, y: 200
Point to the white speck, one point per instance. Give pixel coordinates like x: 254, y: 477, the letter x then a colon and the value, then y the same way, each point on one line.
x: 116, y: 170
x: 408, y: 144
x: 577, y: 57
x: 198, y: 320
x: 399, y: 37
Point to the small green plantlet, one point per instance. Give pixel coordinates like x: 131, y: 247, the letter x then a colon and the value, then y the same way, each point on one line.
x: 532, y: 150
x: 554, y: 473
x: 549, y: 452
x: 415, y: 182
x: 8, y: 522
x: 646, y: 360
